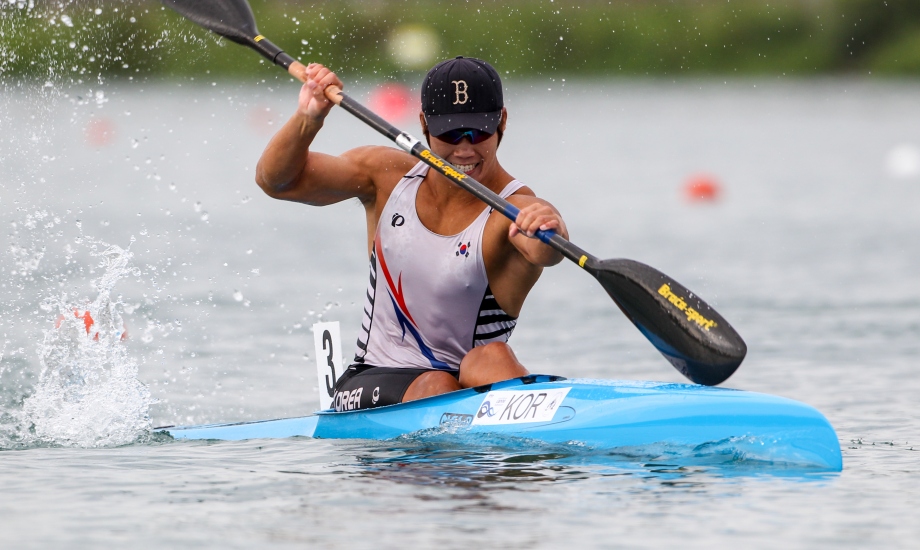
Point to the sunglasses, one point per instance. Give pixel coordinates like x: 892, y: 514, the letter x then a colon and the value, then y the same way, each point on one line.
x: 456, y: 136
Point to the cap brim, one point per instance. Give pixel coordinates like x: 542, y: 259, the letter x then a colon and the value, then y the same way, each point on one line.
x: 485, y: 122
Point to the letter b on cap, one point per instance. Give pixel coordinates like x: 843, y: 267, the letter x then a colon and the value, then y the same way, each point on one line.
x: 460, y: 88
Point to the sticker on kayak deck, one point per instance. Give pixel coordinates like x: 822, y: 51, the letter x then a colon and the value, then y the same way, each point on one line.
x: 518, y: 407
x: 456, y: 419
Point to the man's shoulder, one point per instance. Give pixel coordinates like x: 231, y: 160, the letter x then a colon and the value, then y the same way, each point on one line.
x: 522, y: 196
x: 522, y: 191
x: 498, y: 223
x: 380, y: 161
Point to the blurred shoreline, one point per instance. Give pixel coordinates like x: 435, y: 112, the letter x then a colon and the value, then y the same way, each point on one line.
x: 86, y: 41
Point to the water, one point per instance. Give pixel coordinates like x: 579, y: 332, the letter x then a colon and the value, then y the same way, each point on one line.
x: 811, y: 254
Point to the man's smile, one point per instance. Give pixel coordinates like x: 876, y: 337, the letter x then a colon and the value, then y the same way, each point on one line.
x: 466, y: 168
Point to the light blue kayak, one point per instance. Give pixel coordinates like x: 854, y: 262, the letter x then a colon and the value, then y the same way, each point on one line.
x: 599, y: 414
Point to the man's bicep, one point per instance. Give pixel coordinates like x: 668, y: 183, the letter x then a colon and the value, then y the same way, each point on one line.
x: 328, y: 179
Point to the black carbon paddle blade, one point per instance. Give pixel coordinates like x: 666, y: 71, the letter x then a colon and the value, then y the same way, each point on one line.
x: 232, y: 19
x: 690, y: 334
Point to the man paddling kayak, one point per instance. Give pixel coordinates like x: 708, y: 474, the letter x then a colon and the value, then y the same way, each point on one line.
x: 448, y: 277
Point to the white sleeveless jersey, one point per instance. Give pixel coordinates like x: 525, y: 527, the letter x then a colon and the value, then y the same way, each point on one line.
x: 428, y: 301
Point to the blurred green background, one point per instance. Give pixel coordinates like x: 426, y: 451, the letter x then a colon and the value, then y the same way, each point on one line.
x: 381, y: 39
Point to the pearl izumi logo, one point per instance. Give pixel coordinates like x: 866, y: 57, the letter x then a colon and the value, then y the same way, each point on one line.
x: 460, y: 91
x: 397, y: 220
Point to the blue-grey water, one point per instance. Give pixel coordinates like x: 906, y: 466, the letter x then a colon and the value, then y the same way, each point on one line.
x: 139, y: 197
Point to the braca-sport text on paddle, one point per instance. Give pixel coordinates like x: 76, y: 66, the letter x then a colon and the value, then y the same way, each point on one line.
x: 689, y: 333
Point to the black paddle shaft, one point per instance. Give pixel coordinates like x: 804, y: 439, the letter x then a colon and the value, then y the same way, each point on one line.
x: 687, y: 331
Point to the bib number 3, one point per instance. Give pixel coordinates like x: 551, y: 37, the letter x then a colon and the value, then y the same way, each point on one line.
x: 327, y: 342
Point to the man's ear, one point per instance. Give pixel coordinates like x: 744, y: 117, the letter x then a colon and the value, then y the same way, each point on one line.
x: 500, y: 130
x: 424, y: 123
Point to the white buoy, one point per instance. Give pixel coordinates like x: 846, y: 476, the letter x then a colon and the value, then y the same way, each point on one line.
x: 903, y: 161
x: 414, y: 46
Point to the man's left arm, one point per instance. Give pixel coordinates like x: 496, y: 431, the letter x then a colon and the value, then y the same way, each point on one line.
x: 535, y: 214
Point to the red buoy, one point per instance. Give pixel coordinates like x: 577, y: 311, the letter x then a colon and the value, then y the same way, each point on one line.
x: 702, y: 188
x: 393, y: 101
x: 99, y: 132
x: 262, y: 120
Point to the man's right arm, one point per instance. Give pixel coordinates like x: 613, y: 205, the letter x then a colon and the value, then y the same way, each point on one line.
x: 288, y: 170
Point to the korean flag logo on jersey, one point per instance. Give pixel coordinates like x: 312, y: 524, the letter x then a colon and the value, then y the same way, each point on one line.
x: 463, y: 249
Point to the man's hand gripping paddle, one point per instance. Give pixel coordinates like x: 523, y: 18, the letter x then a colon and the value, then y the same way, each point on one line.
x: 689, y: 333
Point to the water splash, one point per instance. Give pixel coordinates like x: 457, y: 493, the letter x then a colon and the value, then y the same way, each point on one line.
x: 88, y: 394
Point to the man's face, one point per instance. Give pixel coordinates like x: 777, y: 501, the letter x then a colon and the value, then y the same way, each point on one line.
x: 478, y: 160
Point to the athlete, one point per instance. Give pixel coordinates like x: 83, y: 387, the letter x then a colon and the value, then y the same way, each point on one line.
x: 448, y: 276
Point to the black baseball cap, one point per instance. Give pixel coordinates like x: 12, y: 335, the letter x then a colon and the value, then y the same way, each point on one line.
x: 463, y: 92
